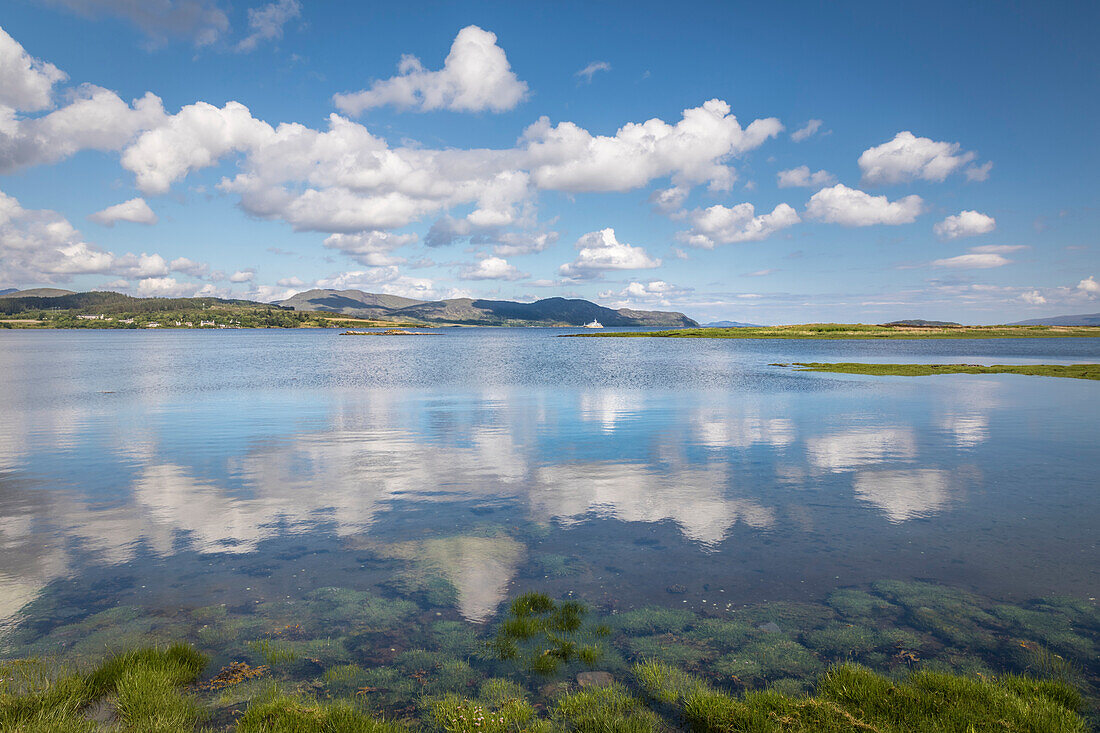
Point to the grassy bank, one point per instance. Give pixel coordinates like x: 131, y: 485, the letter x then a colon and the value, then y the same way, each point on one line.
x: 859, y: 331
x: 159, y: 690
x: 1071, y: 371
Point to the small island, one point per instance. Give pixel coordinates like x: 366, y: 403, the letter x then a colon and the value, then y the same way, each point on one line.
x: 1071, y: 371
x: 389, y: 332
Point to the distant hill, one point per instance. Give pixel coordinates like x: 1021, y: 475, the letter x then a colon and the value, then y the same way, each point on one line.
x: 918, y: 323
x: 8, y: 291
x: 1085, y: 319
x: 730, y: 324
x: 36, y: 293
x: 470, y: 311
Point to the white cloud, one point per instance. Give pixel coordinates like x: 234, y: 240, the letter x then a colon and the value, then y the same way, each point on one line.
x: 492, y: 268
x: 599, y: 251
x: 135, y: 210
x: 975, y: 261
x: 381, y: 280
x: 95, y: 119
x: 964, y: 224
x: 267, y: 21
x: 41, y: 246
x: 291, y: 282
x: 806, y: 131
x: 243, y: 276
x: 165, y: 287
x: 26, y: 83
x: 509, y: 244
x: 373, y: 249
x: 725, y: 225
x: 587, y: 72
x: 195, y: 137
x: 908, y: 157
x: 200, y: 21
x: 1089, y: 286
x: 979, y: 172
x: 854, y: 208
x: 652, y: 293
x: 189, y: 267
x: 998, y: 249
x: 669, y: 201
x: 801, y: 177
x: 476, y: 76
x: 566, y: 157
x: 1033, y: 297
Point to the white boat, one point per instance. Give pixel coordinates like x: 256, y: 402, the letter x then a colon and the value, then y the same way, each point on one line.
x: 593, y: 324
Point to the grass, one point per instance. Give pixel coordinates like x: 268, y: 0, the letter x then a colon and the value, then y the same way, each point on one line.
x: 852, y: 698
x: 1071, y: 371
x: 858, y: 331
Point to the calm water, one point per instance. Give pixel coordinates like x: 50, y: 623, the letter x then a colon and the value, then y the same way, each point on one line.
x: 172, y: 471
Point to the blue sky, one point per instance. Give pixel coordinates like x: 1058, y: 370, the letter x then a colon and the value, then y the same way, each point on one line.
x: 770, y: 163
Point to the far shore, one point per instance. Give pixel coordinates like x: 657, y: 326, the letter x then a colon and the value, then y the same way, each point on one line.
x: 858, y: 331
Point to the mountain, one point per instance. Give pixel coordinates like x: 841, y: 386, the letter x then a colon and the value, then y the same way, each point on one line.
x: 918, y: 323
x: 1085, y: 319
x: 36, y: 293
x: 8, y: 291
x: 347, y: 302
x: 470, y: 311
x: 730, y: 324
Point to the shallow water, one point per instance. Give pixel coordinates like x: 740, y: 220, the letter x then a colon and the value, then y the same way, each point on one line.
x: 174, y: 471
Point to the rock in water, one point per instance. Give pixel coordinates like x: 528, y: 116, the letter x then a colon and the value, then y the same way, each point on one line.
x: 594, y: 679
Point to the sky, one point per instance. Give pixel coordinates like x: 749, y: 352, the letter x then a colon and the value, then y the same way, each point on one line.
x: 760, y: 162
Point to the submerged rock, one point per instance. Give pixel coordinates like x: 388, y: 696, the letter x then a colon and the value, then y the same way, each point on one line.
x: 595, y: 679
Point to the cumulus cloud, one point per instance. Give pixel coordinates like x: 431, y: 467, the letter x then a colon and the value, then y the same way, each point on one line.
x: 243, y: 276
x: 854, y: 208
x: 165, y: 287
x: 1089, y: 286
x: 727, y: 225
x: 801, y: 177
x: 669, y: 201
x: 291, y: 282
x: 190, y: 267
x: 195, y: 137
x: 600, y: 251
x: 94, y: 119
x: 266, y: 22
x: 806, y: 131
x: 373, y: 249
x: 41, y: 246
x: 476, y: 76
x: 135, y: 210
x: 964, y: 224
x: 381, y: 279
x: 908, y: 157
x: 200, y: 21
x: 26, y: 83
x: 652, y: 293
x: 973, y: 261
x: 566, y: 157
x: 492, y: 268
x: 1033, y: 297
x: 587, y: 72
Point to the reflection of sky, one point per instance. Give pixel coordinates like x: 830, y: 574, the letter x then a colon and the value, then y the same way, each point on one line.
x: 222, y: 471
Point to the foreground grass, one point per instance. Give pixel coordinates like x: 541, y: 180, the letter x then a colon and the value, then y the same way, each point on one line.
x: 1072, y: 371
x: 150, y: 690
x: 858, y: 331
